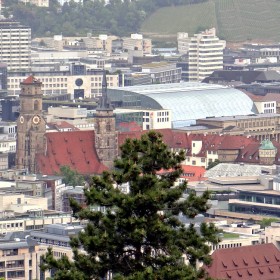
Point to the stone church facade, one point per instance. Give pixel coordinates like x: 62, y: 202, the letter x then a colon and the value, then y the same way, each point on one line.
x: 31, y: 125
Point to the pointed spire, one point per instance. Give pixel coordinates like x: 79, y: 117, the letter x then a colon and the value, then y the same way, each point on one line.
x: 104, y: 101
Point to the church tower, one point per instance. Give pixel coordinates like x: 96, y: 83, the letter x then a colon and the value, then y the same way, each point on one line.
x: 267, y: 152
x: 31, y: 126
x: 105, y: 129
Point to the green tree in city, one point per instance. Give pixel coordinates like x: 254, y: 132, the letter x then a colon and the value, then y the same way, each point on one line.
x: 71, y: 177
x: 139, y: 235
x: 213, y: 164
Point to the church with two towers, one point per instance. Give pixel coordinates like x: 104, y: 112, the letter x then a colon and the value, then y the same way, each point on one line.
x: 87, y: 152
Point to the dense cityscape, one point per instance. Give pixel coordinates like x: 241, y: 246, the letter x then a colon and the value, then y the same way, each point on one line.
x: 128, y: 153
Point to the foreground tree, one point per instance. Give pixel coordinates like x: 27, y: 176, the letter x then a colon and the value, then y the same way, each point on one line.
x: 139, y: 236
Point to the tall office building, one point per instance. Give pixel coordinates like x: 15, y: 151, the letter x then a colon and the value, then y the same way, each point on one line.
x: 205, y: 55
x: 15, y: 43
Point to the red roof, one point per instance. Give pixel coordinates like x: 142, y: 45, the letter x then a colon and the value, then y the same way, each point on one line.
x: 75, y: 149
x: 247, y: 263
x: 193, y: 173
x: 263, y: 98
x: 30, y: 80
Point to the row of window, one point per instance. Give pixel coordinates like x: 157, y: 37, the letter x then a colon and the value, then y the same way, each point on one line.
x: 11, y: 225
x: 163, y: 120
x: 267, y: 105
x: 223, y: 246
x: 162, y: 114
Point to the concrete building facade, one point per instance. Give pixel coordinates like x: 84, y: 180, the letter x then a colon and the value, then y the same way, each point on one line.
x: 137, y: 42
x: 15, y: 43
x: 205, y: 55
x: 62, y: 82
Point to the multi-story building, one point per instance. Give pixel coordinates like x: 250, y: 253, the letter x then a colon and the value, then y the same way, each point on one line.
x: 76, y: 117
x: 146, y: 119
x: 205, y: 54
x: 260, y: 126
x: 39, y: 3
x: 19, y: 259
x: 136, y: 42
x: 15, y: 42
x: 183, y: 41
x: 33, y: 219
x: 163, y: 72
x: 85, y: 84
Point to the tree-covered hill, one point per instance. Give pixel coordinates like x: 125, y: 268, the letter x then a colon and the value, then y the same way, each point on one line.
x: 119, y: 17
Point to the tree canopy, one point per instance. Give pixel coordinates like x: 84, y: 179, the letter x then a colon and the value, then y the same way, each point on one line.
x: 71, y: 177
x: 139, y: 234
x: 119, y: 17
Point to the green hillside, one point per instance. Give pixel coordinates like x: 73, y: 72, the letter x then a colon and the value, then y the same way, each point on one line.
x: 235, y: 20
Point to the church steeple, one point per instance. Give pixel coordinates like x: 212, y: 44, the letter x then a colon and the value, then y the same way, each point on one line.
x: 31, y: 125
x: 106, y: 143
x: 104, y: 102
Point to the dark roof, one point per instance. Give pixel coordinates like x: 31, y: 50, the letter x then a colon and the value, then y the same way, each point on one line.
x: 246, y: 77
x: 246, y: 262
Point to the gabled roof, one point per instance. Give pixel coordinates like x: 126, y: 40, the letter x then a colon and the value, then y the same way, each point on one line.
x: 250, y: 153
x: 263, y: 98
x: 75, y: 149
x: 247, y: 262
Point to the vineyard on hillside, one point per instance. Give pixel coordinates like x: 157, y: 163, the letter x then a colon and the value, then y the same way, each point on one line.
x: 235, y: 20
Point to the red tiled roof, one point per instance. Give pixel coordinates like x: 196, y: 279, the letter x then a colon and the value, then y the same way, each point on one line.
x: 191, y: 173
x: 30, y: 80
x: 173, y: 139
x: 196, y: 171
x: 250, y: 153
x: 75, y: 149
x: 263, y: 98
x: 246, y: 263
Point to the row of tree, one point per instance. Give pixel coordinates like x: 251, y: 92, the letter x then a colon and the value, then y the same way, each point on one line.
x: 119, y: 17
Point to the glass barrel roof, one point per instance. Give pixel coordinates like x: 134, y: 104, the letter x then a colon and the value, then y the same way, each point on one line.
x: 191, y: 101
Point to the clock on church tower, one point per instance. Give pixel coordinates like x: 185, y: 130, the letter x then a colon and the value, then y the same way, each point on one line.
x: 31, y: 126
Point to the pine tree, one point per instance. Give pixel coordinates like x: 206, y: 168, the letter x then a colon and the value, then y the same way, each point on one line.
x: 139, y: 235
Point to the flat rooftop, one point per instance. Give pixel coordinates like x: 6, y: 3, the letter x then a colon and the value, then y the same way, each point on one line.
x: 241, y: 117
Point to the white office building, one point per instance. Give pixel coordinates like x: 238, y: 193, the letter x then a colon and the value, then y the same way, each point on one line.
x: 205, y: 55
x: 15, y: 42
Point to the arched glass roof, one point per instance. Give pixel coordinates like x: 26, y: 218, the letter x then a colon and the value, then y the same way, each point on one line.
x: 191, y: 101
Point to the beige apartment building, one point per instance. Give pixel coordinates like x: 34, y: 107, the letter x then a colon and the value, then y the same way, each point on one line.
x: 64, y: 82
x: 33, y: 219
x: 19, y: 259
x: 260, y: 126
x: 137, y: 42
x: 15, y: 42
x: 205, y: 55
